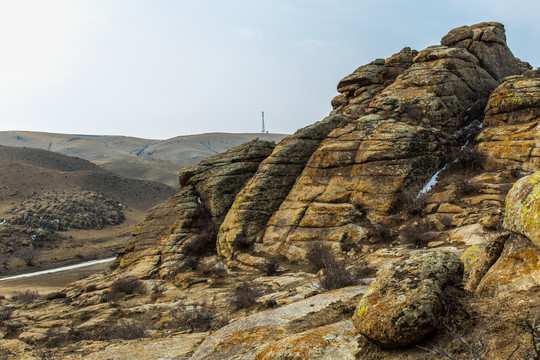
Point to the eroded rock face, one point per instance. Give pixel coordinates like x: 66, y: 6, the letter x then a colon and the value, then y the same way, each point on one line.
x: 487, y: 41
x: 405, y: 302
x: 266, y: 190
x: 523, y: 208
x: 396, y: 136
x: 517, y: 269
x: 177, y: 227
x: 511, y: 124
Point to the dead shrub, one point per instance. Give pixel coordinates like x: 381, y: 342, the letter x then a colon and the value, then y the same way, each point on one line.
x: 319, y: 256
x: 270, y: 268
x: 55, y: 337
x: 245, y: 296
x: 446, y: 221
x: 412, y: 200
x: 336, y: 276
x: 25, y: 296
x: 468, y: 159
x: 28, y: 254
x: 465, y: 186
x: 380, y: 232
x: 127, y: 330
x: 125, y: 286
x: 416, y: 233
x: 5, y: 313
x: 196, y: 317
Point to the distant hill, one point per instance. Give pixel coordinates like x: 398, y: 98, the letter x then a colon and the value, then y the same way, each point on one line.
x: 144, y: 159
x: 39, y: 188
x: 27, y: 171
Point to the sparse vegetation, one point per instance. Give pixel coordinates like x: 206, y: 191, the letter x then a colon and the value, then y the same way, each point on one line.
x: 29, y: 255
x: 468, y: 159
x: 413, y: 201
x: 380, y: 232
x: 5, y: 314
x: 25, y: 296
x: 335, y: 274
x: 416, y: 233
x: 125, y: 286
x: 196, y: 317
x: 128, y: 330
x: 245, y: 295
x: 466, y: 186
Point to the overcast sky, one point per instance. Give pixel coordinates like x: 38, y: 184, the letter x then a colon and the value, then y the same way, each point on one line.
x: 160, y: 68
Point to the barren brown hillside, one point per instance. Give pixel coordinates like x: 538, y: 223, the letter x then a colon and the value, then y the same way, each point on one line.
x: 131, y: 157
x: 40, y: 175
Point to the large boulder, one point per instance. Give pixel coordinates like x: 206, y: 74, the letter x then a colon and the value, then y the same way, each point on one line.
x: 517, y: 269
x: 523, y: 208
x: 406, y: 300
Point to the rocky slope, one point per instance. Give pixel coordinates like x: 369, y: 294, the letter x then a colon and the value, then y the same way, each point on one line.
x: 266, y: 252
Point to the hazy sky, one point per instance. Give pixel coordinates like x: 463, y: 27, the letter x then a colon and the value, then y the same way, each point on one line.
x: 163, y: 68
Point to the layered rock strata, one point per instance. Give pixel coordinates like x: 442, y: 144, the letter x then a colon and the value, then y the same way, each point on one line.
x: 511, y: 124
x: 175, y: 228
x: 399, y: 128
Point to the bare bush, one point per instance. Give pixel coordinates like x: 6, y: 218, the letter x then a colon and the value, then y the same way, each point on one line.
x: 5, y: 313
x: 469, y: 159
x: 125, y: 286
x: 28, y: 254
x: 128, y: 330
x: 380, y: 232
x: 270, y: 268
x: 196, y: 317
x: 446, y: 221
x: 245, y: 296
x: 319, y: 256
x: 475, y: 346
x: 465, y: 186
x: 417, y: 233
x: 335, y: 275
x: 25, y: 296
x: 412, y: 200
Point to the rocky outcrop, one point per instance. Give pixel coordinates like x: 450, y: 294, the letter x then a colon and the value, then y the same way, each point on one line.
x: 396, y: 137
x: 487, y: 41
x: 511, y: 124
x: 266, y: 190
x: 406, y: 300
x: 186, y: 224
x: 53, y: 211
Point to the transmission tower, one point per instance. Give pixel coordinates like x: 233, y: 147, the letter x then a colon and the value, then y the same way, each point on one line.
x: 262, y: 122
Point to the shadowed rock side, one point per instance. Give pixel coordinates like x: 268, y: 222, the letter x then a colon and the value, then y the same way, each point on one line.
x: 396, y: 136
x: 183, y: 225
x: 267, y: 189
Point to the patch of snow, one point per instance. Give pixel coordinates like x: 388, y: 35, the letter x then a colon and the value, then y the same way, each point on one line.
x: 3, y: 222
x: 432, y: 182
x: 56, y: 221
x: 470, y: 107
x: 33, y: 237
x: 199, y: 200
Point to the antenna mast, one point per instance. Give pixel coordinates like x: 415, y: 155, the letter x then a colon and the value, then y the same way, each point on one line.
x: 262, y: 122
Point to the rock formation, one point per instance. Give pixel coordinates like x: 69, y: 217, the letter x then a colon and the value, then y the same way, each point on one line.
x: 408, y: 176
